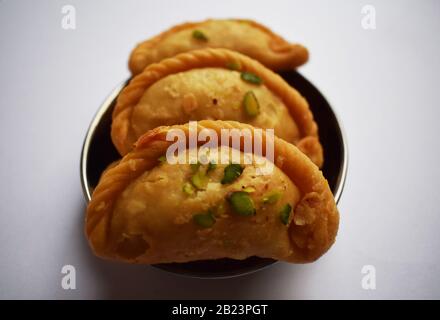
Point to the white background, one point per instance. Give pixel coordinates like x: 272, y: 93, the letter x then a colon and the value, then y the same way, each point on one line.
x: 383, y: 83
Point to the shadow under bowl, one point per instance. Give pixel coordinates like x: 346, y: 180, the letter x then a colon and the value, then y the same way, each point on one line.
x: 98, y: 152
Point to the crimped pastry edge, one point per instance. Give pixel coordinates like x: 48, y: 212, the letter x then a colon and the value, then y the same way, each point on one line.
x: 121, y: 132
x: 287, y: 62
x: 316, y: 194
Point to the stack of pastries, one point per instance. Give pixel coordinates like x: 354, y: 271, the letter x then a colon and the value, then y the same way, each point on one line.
x: 222, y: 74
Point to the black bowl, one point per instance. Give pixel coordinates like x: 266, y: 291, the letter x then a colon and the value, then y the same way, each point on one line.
x: 98, y: 152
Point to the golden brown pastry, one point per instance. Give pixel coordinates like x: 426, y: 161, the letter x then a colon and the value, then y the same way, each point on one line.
x: 147, y: 210
x: 245, y: 36
x: 200, y: 85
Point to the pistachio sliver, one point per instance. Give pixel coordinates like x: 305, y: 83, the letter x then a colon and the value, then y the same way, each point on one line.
x: 272, y: 197
x: 233, y: 65
x: 195, y: 167
x: 242, y: 203
x: 249, y: 189
x: 199, y: 180
x: 250, y: 104
x: 231, y: 173
x: 211, y: 166
x: 285, y: 214
x: 162, y: 159
x: 188, y: 188
x: 251, y: 77
x: 199, y: 35
x: 204, y: 220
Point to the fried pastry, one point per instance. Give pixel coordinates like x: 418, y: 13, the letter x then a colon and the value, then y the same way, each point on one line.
x: 147, y: 210
x: 213, y: 84
x: 245, y: 36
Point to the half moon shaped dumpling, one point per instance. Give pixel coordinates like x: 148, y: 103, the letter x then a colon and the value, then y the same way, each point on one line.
x: 147, y: 210
x: 245, y: 36
x: 198, y: 85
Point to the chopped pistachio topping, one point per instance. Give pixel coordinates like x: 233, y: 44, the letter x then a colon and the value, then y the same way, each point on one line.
x: 231, y: 173
x: 249, y: 189
x: 285, y: 213
x: 162, y: 159
x: 250, y: 104
x: 204, y: 220
x: 242, y: 203
x: 199, y: 35
x: 195, y: 167
x: 188, y: 188
x: 199, y: 180
x: 250, y: 77
x: 272, y: 197
x: 211, y: 166
x: 233, y: 65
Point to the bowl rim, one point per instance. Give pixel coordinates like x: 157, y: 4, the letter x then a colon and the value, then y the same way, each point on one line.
x: 342, y: 178
x: 340, y: 182
x: 89, y: 136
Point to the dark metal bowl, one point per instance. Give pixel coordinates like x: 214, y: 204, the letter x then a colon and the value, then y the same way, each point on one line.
x: 98, y: 152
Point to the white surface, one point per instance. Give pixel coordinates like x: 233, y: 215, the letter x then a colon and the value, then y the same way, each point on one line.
x: 383, y: 83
